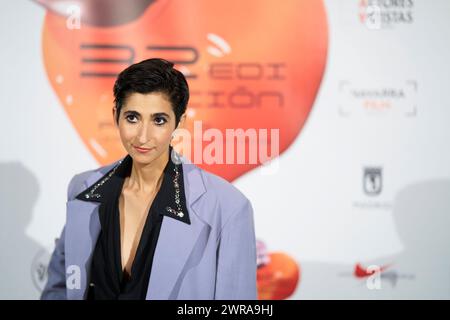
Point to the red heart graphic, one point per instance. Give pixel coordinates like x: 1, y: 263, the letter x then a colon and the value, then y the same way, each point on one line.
x: 250, y: 65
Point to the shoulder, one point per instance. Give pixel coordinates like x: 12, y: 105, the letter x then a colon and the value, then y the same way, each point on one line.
x: 79, y: 182
x: 223, y: 189
x: 222, y: 194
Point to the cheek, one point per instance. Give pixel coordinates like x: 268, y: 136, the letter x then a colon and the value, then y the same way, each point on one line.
x: 126, y: 132
x: 163, y: 134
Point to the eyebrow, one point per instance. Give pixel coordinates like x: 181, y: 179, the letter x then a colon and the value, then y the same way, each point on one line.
x: 153, y: 115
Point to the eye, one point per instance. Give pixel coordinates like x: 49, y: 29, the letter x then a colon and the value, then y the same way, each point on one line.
x: 159, y: 121
x: 131, y: 118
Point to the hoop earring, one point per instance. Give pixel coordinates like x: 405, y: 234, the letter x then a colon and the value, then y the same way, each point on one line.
x: 175, y: 157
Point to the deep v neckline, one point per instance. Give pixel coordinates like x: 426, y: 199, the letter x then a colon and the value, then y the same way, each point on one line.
x: 123, y: 273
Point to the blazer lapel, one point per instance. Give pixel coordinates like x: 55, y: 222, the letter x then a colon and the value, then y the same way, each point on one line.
x: 177, y: 242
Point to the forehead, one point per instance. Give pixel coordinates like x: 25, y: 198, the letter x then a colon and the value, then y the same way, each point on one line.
x: 147, y: 103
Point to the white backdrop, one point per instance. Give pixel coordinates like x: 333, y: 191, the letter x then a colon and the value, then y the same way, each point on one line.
x: 315, y: 208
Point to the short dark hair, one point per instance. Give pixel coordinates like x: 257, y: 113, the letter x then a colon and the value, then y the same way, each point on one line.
x: 153, y: 75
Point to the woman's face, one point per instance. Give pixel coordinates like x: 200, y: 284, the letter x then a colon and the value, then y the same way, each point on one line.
x: 146, y: 121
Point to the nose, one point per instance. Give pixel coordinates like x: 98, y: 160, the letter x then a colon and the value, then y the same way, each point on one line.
x: 145, y: 133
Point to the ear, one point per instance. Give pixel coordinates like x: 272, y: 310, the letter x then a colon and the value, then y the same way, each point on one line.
x: 182, y: 121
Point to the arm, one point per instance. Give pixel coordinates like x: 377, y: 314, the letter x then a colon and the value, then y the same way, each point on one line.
x: 236, y: 257
x: 55, y: 288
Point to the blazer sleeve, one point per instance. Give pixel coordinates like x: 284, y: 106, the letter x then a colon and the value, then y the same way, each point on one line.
x: 236, y: 257
x: 55, y: 289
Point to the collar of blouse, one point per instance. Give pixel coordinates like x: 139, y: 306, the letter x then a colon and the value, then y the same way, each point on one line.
x: 170, y: 199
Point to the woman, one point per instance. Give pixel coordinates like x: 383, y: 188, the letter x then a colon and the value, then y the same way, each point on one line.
x: 148, y: 227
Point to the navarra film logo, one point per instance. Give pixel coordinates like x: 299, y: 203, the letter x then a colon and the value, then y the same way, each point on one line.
x: 362, y: 98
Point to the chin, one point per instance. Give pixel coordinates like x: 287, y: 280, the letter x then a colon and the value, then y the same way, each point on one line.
x: 144, y: 158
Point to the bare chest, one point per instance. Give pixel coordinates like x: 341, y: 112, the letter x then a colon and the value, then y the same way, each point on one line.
x: 134, y: 210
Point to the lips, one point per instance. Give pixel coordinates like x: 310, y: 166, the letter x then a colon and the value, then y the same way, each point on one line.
x: 143, y: 150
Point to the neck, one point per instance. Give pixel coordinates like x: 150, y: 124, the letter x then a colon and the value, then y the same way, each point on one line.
x: 147, y: 177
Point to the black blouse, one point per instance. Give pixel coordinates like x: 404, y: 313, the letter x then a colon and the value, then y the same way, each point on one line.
x: 107, y: 279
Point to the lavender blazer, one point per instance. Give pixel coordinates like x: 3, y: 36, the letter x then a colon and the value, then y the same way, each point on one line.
x: 212, y: 258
